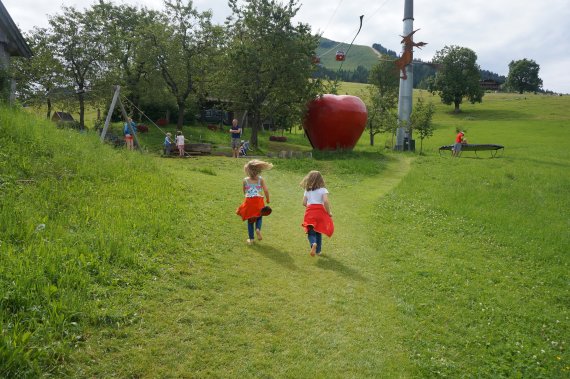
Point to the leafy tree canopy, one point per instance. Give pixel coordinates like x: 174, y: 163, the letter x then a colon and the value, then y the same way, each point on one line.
x: 523, y: 76
x: 458, y: 76
x: 269, y: 61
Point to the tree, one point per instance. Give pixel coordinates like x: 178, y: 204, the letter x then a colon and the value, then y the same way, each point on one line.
x: 269, y: 61
x: 41, y: 75
x: 127, y: 61
x: 182, y: 41
x: 458, y: 76
x: 421, y: 120
x: 523, y: 76
x: 77, y: 43
x: 384, y: 82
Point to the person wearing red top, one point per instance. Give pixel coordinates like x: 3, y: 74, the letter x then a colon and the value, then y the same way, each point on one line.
x: 459, y: 140
x: 318, y: 215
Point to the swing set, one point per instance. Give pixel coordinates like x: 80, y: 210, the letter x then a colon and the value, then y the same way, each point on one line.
x: 190, y: 149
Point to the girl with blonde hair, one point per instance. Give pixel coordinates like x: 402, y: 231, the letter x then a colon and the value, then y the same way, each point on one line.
x: 254, y: 190
x: 318, y: 215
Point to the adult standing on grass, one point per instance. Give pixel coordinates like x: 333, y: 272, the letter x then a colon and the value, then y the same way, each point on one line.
x: 180, y: 143
x: 254, y: 190
x: 318, y: 215
x: 235, y: 131
x: 129, y: 131
x: 459, y: 140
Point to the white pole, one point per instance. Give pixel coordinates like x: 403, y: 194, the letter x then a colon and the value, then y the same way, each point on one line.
x: 406, y: 85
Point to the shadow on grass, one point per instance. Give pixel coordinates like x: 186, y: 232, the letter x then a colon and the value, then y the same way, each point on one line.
x: 542, y: 162
x: 329, y: 263
x: 347, y: 154
x: 490, y: 114
x: 279, y: 256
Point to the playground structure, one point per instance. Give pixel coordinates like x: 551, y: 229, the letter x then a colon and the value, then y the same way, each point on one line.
x: 494, y: 149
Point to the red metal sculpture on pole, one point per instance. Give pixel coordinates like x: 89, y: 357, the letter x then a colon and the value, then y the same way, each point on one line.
x: 407, y: 54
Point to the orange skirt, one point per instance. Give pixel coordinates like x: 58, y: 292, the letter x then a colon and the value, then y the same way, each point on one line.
x: 316, y: 216
x: 251, y: 207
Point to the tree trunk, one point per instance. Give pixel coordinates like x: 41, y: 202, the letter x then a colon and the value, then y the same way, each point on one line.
x: 254, y: 130
x: 180, y: 122
x: 48, y: 108
x: 81, y: 110
x: 371, y: 138
x: 456, y: 110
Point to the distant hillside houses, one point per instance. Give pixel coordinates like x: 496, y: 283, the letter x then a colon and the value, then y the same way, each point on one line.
x: 12, y: 44
x: 490, y: 85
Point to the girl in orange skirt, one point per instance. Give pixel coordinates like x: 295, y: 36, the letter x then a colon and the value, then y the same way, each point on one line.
x: 318, y: 216
x: 254, y: 189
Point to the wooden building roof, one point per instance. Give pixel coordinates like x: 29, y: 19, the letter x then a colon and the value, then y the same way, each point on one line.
x: 10, y: 34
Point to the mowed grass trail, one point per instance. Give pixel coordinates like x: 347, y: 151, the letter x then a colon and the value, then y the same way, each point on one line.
x: 127, y: 265
x: 219, y: 308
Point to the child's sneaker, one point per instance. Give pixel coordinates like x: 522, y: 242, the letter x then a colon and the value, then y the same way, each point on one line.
x: 249, y: 242
x: 313, y: 249
x: 259, y: 236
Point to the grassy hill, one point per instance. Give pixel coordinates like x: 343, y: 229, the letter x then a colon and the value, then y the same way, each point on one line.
x: 121, y: 264
x: 357, y: 55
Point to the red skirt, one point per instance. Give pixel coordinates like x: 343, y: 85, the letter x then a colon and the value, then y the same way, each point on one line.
x: 251, y: 207
x: 316, y: 216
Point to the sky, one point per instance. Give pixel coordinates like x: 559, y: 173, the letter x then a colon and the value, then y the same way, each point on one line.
x: 498, y: 31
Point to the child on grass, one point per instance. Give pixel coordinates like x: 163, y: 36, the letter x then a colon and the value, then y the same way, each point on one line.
x: 168, y: 144
x: 317, y: 220
x: 180, y: 143
x: 254, y: 189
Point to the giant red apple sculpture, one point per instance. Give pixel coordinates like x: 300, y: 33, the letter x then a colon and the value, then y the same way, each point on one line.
x: 335, y: 122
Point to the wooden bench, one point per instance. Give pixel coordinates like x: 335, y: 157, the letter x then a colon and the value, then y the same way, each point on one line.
x: 194, y: 149
x: 494, y: 149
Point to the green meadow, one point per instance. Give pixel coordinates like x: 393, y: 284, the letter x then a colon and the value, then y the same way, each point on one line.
x: 129, y: 265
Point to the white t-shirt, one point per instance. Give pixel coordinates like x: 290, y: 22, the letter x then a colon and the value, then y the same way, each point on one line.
x: 179, y: 140
x: 316, y: 196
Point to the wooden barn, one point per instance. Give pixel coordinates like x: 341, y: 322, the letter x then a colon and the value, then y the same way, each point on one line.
x: 490, y: 85
x: 12, y: 44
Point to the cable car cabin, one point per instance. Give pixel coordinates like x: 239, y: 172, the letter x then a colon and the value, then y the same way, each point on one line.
x: 340, y: 55
x: 316, y: 59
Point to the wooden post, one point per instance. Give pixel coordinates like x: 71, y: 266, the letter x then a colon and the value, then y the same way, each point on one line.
x: 110, y: 113
x: 125, y: 116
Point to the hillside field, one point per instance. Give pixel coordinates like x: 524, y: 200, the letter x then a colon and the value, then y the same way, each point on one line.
x: 356, y: 55
x: 129, y: 265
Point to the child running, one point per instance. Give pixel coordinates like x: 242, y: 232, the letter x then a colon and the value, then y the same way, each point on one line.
x: 254, y: 189
x: 317, y: 220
